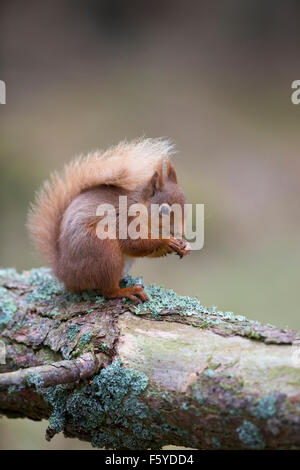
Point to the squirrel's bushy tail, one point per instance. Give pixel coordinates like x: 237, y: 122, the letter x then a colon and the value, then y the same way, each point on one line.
x: 127, y: 165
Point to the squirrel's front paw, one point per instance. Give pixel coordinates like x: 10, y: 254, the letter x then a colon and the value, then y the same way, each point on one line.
x: 180, y: 247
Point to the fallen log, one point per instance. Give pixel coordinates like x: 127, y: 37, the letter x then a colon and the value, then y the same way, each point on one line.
x: 168, y: 372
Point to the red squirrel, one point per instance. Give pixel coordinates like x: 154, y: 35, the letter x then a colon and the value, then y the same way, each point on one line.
x: 63, y: 221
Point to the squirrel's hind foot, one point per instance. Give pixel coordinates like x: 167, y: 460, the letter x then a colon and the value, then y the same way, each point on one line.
x: 135, y: 293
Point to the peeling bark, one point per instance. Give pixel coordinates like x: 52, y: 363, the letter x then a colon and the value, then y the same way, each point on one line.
x: 167, y: 372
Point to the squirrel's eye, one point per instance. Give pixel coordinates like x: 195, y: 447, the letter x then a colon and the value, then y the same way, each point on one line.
x: 164, y: 209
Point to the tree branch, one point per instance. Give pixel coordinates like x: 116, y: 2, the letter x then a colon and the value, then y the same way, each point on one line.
x: 60, y: 372
x: 126, y: 377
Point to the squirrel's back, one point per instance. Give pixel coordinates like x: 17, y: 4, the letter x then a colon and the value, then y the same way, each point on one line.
x: 127, y: 165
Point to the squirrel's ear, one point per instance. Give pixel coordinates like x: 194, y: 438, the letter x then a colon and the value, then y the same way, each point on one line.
x: 172, y: 173
x: 152, y: 186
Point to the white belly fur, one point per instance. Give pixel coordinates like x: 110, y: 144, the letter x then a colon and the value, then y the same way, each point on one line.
x: 128, y: 262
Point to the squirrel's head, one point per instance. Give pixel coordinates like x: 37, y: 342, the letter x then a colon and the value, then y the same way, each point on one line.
x: 163, y: 192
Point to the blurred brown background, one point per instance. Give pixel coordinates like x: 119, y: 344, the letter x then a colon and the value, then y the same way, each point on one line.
x: 213, y: 76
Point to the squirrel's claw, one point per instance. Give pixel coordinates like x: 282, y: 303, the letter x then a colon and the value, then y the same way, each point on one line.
x: 181, y: 247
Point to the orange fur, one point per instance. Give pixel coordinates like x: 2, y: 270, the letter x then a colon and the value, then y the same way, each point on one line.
x: 127, y: 165
x: 63, y: 220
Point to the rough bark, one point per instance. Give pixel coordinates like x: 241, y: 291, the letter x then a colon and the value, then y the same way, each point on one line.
x: 126, y: 377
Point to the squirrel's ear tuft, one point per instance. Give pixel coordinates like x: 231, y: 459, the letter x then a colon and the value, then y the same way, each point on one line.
x: 152, y: 186
x: 172, y: 173
x: 154, y: 183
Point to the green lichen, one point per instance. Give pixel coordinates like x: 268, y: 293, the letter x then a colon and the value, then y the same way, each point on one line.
x: 265, y: 408
x: 72, y: 331
x: 57, y: 398
x: 85, y: 338
x: 10, y: 273
x: 47, y: 286
x: 161, y: 300
x: 35, y: 379
x: 14, y: 389
x: 128, y: 281
x: 111, y: 410
x: 104, y: 348
x: 250, y: 436
x: 110, y: 401
x: 7, y: 306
